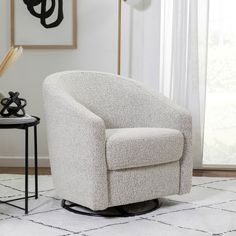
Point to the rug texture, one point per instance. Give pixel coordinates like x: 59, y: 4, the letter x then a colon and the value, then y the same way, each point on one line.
x: 210, y: 209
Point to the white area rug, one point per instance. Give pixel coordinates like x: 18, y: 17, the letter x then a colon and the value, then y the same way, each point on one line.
x: 210, y: 209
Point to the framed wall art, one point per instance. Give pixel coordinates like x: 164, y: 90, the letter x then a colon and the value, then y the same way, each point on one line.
x: 44, y: 24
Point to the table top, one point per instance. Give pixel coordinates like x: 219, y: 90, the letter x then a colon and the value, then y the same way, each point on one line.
x: 22, y: 125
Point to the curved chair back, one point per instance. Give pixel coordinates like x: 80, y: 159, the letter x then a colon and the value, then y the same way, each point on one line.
x: 120, y: 102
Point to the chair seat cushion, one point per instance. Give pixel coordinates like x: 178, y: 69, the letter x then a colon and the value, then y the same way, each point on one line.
x: 139, y: 147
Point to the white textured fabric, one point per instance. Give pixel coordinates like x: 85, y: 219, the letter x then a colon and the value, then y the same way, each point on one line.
x: 140, y: 147
x: 79, y: 107
x: 140, y: 184
x: 76, y: 140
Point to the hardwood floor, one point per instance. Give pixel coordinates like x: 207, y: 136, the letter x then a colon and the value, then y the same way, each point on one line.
x: 215, y: 173
x: 16, y: 170
x: 47, y: 171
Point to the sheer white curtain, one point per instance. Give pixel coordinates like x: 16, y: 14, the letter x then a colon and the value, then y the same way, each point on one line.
x: 165, y: 46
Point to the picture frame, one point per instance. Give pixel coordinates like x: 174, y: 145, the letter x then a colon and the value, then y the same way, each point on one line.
x: 45, y: 26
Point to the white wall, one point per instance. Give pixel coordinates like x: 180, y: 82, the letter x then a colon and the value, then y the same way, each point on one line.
x: 141, y: 42
x: 97, y: 50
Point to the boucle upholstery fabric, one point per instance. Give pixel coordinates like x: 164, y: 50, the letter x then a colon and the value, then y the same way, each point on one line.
x: 140, y: 184
x: 76, y: 140
x: 139, y: 147
x: 79, y: 107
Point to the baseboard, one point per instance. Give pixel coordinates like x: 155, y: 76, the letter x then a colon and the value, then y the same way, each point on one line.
x: 231, y: 167
x: 9, y: 161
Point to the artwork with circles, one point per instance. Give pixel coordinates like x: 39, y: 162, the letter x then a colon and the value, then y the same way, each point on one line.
x: 44, y: 23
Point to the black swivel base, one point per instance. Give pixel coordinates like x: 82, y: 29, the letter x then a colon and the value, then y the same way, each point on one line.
x: 119, y: 211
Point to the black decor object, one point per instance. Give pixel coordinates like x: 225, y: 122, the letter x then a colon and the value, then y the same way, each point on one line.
x: 13, y: 106
x: 46, y: 13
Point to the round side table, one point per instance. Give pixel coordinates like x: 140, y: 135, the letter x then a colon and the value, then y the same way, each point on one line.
x: 25, y: 126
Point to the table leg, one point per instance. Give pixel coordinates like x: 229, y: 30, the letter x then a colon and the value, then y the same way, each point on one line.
x: 36, y: 162
x: 26, y: 169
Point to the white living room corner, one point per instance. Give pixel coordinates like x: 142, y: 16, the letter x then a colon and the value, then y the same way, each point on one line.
x: 117, y: 117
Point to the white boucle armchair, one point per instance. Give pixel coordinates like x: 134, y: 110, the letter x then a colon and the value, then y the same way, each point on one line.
x: 113, y: 142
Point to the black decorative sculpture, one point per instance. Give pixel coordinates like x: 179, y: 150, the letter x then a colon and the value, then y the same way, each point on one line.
x: 13, y: 106
x: 45, y: 12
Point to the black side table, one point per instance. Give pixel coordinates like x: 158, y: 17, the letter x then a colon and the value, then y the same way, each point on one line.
x: 26, y: 126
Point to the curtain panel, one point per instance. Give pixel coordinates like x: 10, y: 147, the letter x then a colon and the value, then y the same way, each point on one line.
x: 165, y: 47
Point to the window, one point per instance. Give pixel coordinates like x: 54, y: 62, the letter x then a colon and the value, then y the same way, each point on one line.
x: 220, y: 123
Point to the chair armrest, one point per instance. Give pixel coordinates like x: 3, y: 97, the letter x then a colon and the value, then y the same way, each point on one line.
x: 76, y: 139
x: 175, y: 117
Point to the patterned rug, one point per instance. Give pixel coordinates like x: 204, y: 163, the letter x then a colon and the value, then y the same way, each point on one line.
x: 210, y: 209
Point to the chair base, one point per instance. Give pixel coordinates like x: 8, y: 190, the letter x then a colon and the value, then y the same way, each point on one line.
x: 135, y: 209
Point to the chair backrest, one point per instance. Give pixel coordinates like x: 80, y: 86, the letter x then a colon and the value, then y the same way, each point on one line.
x: 120, y: 102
